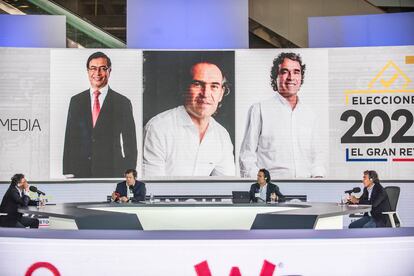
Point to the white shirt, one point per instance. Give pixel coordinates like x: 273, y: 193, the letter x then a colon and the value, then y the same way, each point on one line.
x: 130, y: 193
x: 172, y: 147
x: 370, y: 191
x: 101, y: 97
x: 20, y: 191
x: 284, y: 141
x: 263, y: 192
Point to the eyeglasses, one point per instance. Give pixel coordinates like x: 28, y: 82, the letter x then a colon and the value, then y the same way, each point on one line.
x: 96, y: 69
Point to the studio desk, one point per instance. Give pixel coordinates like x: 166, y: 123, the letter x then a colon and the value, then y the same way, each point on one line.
x: 196, y: 216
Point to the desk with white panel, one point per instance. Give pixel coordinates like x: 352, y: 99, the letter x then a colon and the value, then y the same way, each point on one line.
x: 196, y: 216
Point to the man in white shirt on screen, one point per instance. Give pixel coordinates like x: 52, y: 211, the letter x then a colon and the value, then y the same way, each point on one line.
x: 282, y: 134
x: 186, y: 140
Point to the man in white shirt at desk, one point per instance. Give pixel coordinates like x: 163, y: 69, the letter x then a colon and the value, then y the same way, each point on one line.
x: 282, y: 133
x: 186, y: 140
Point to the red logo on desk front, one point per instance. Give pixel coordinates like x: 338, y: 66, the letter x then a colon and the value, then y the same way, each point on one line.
x: 202, y: 269
x: 45, y: 265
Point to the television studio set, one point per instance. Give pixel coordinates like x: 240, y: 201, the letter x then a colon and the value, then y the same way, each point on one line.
x: 195, y: 137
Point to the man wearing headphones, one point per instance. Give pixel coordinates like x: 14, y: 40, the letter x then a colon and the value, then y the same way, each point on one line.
x: 15, y: 197
x: 264, y: 190
x: 374, y: 195
x: 187, y: 140
x: 131, y: 189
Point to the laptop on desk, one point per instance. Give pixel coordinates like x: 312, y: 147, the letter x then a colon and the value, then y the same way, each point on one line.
x: 241, y: 197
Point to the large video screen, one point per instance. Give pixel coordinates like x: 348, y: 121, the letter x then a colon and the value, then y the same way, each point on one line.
x: 300, y: 113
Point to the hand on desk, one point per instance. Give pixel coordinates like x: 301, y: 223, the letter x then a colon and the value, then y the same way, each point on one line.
x: 123, y: 199
x: 117, y: 197
x: 353, y: 200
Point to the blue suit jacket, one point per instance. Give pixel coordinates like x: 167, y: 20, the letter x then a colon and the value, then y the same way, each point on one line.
x: 139, y: 190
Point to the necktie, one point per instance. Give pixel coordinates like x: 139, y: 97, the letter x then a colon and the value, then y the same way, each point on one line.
x: 96, y: 107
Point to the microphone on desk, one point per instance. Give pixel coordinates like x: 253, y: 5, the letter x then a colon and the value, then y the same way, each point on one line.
x: 354, y: 190
x: 35, y: 190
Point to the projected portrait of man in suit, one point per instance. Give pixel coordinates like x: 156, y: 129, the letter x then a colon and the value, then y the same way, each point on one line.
x: 100, y: 137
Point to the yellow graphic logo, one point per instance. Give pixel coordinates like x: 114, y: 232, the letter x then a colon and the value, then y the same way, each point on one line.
x: 391, y: 79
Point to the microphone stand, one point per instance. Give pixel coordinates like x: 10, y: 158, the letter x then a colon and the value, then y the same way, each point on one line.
x: 39, y: 200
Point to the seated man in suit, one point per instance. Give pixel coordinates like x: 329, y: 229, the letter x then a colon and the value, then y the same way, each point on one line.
x: 15, y: 197
x: 130, y: 186
x: 374, y: 195
x: 264, y: 190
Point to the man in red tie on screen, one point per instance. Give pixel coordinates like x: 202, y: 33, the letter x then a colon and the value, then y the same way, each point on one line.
x: 96, y: 107
x: 100, y: 139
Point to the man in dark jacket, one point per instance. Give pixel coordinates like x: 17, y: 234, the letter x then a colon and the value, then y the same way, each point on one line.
x: 264, y: 190
x: 100, y: 138
x: 374, y: 195
x: 16, y: 197
x: 130, y: 189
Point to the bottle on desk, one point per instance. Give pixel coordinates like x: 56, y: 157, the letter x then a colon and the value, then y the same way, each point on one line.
x: 40, y: 202
x: 273, y: 198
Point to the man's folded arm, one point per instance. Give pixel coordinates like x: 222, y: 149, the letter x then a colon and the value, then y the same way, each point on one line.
x: 129, y: 138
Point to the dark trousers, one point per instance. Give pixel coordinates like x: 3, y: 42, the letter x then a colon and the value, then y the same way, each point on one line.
x: 21, y: 222
x: 364, y: 222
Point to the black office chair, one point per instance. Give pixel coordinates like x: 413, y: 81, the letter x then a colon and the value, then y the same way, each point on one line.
x: 393, y: 193
x: 5, y: 221
x: 2, y: 219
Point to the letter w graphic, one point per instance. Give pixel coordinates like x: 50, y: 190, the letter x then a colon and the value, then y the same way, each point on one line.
x: 202, y: 269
